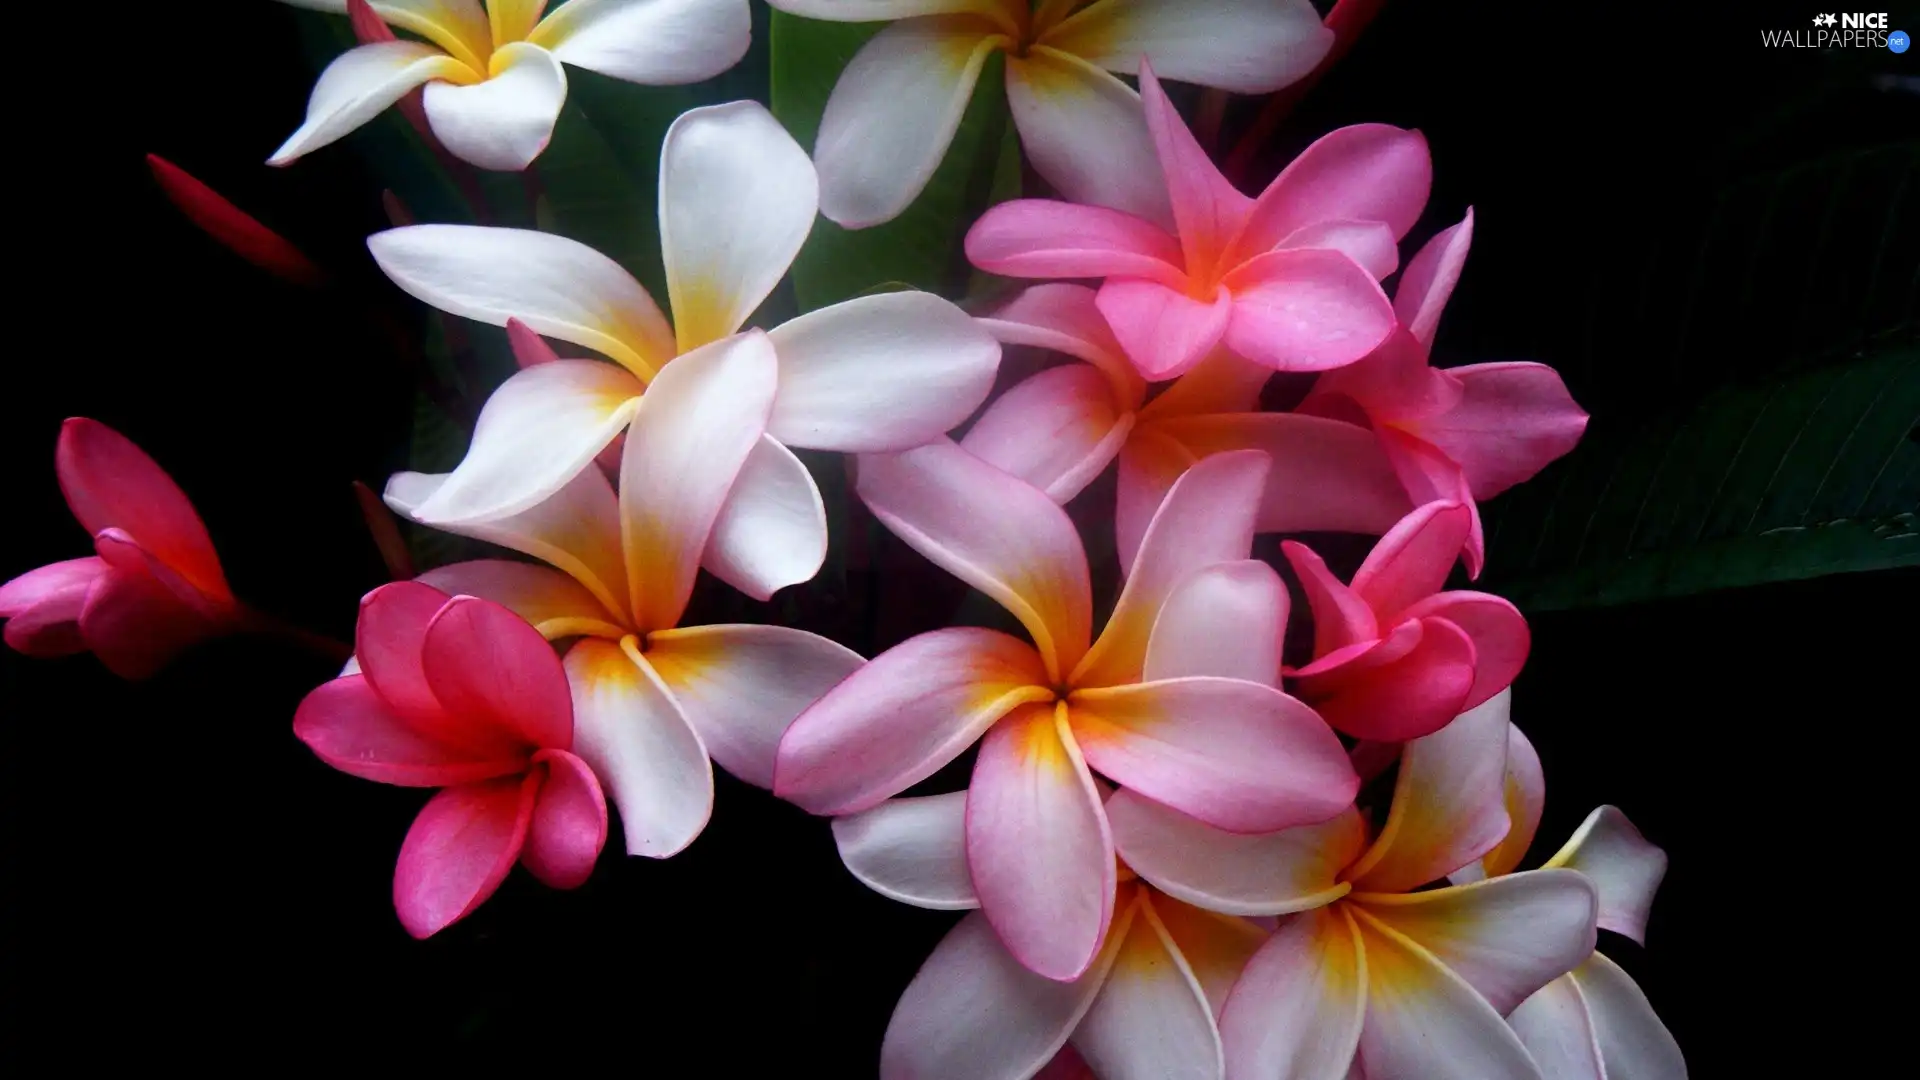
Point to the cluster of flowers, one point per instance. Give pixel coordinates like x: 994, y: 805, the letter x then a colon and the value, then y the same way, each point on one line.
x: 1160, y: 845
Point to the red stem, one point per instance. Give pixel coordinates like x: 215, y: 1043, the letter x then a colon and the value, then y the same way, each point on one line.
x: 258, y: 622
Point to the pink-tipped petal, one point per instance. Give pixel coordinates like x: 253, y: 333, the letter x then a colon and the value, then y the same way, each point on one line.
x: 1341, y: 619
x: 1512, y: 421
x: 490, y: 667
x: 1621, y: 864
x: 1388, y: 697
x: 1430, y: 476
x: 1237, y: 755
x: 1412, y: 560
x: 1150, y: 463
x: 1207, y: 209
x: 1501, y: 639
x: 1242, y: 874
x: 459, y: 850
x: 1366, y: 172
x: 569, y: 825
x: 556, y: 605
x: 1057, y: 430
x: 1039, y: 238
x: 1227, y: 620
x: 648, y: 758
x: 1426, y: 1023
x: 1327, y: 475
x: 232, y: 227
x: 1369, y: 243
x: 1394, y: 384
x: 911, y: 850
x: 1633, y: 1042
x: 1082, y: 131
x: 997, y: 534
x: 897, y: 720
x: 1306, y: 309
x: 1065, y: 318
x: 1165, y: 330
x: 347, y: 725
x: 136, y: 625
x: 1038, y: 848
x: 111, y: 483
x: 1151, y: 1020
x: 42, y: 607
x: 1423, y: 290
x: 1297, y: 1010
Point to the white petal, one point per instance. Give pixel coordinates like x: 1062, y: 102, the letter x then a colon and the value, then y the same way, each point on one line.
x: 881, y: 10
x: 359, y: 85
x: 1425, y: 1023
x: 535, y: 434
x: 1558, y: 1031
x: 1086, y: 133
x: 560, y: 288
x: 893, y: 113
x: 911, y: 850
x: 737, y: 199
x: 1264, y: 874
x: 1227, y: 620
x: 651, y: 763
x: 506, y: 121
x: 556, y: 605
x: 1057, y: 430
x: 1247, y: 46
x: 1633, y: 1042
x: 1622, y: 865
x: 1150, y: 1021
x: 1297, y: 1010
x: 880, y: 373
x: 656, y: 42
x: 772, y: 532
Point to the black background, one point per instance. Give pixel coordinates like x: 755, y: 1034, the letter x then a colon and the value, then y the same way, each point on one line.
x: 185, y: 882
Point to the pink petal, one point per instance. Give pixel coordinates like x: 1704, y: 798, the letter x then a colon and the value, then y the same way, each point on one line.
x: 1271, y: 873
x: 1366, y: 172
x: 110, y: 483
x: 1500, y: 636
x: 1222, y: 383
x: 232, y: 227
x: 529, y: 348
x: 1393, y: 383
x: 1227, y: 620
x: 569, y: 825
x: 1065, y: 318
x: 909, y: 711
x: 120, y: 551
x: 347, y: 725
x: 42, y: 607
x: 1429, y: 476
x: 1327, y: 475
x: 1038, y: 848
x: 388, y: 641
x: 490, y: 667
x: 1236, y: 755
x: 1039, y: 238
x: 1512, y: 421
x: 1369, y: 243
x: 1057, y: 430
x: 1423, y: 290
x: 135, y: 625
x: 1165, y: 330
x: 1412, y: 560
x: 1341, y: 619
x: 1207, y: 209
x: 1627, y: 870
x: 1401, y: 698
x: 1149, y: 464
x: 1298, y: 1008
x: 997, y: 534
x: 1306, y: 310
x: 459, y: 850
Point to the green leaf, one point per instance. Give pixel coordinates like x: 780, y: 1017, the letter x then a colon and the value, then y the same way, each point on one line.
x: 921, y: 247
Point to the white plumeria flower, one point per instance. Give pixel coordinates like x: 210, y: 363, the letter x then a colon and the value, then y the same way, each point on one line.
x: 494, y: 84
x: 899, y: 101
x: 738, y: 196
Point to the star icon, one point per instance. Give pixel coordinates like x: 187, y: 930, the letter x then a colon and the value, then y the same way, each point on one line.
x: 1824, y: 20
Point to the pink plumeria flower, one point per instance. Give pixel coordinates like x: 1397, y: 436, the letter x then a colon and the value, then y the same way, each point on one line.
x: 899, y: 102
x: 1146, y: 1007
x: 153, y: 586
x: 737, y: 199
x: 1371, y: 975
x: 1289, y: 281
x: 1394, y: 657
x: 461, y: 694
x: 1460, y: 434
x: 493, y: 79
x: 1176, y: 698
x: 655, y: 702
x: 1593, y: 1023
x: 1061, y: 428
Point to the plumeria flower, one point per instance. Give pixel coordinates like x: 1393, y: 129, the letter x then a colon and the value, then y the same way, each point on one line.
x: 1145, y: 1009
x: 1176, y: 698
x: 1289, y: 280
x: 1394, y: 657
x: 900, y: 100
x: 654, y: 700
x: 737, y: 199
x: 1061, y: 428
x: 1372, y: 976
x: 493, y: 79
x: 1593, y: 1023
x: 1461, y: 434
x: 153, y: 586
x: 461, y: 694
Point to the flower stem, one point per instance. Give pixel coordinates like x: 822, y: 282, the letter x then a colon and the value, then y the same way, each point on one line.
x: 257, y: 622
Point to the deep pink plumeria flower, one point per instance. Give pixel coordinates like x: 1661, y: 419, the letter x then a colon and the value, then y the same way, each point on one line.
x: 154, y: 585
x: 1394, y: 657
x: 1459, y: 434
x: 461, y: 694
x: 1288, y: 280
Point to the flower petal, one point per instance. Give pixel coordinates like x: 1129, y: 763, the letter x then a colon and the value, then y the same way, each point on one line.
x: 346, y: 724
x: 1238, y: 755
x: 1412, y: 561
x: 1083, y: 132
x: 911, y: 850
x: 42, y: 607
x: 1327, y: 476
x: 772, y: 530
x: 897, y: 720
x: 1066, y: 318
x: 488, y: 666
x: 1506, y: 936
x: 880, y: 373
x: 458, y: 26
x: 1366, y: 172
x: 997, y: 534
x: 1426, y: 1023
x: 1430, y: 476
x: 742, y: 686
x: 653, y: 42
x: 1150, y: 464
x: 513, y: 20
x: 1369, y: 243
x: 1501, y: 639
x: 569, y: 825
x: 560, y: 288
x: 885, y: 10
x: 1151, y: 1020
x: 1165, y: 331
x: 1512, y: 421
x: 360, y: 84
x: 1557, y: 1030
x: 459, y: 850
x: 737, y: 199
x: 233, y: 228
x: 1041, y: 238
x: 1409, y: 685
x: 974, y: 1013
x: 110, y: 483
x: 648, y: 758
x: 1298, y: 1009
x: 1306, y: 309
x: 1057, y: 430
x: 505, y: 121
x: 1341, y: 620
x: 556, y: 605
x: 1206, y: 518
x: 1423, y: 290
x: 1207, y: 209
x: 1216, y: 947
x: 1526, y: 799
x: 1259, y: 874
x: 1633, y: 1042
x: 1246, y: 46
x: 695, y: 427
x: 1621, y: 864
x: 1448, y: 804
x: 1038, y: 848
x: 387, y: 643
x: 1227, y: 620
x: 1394, y: 385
